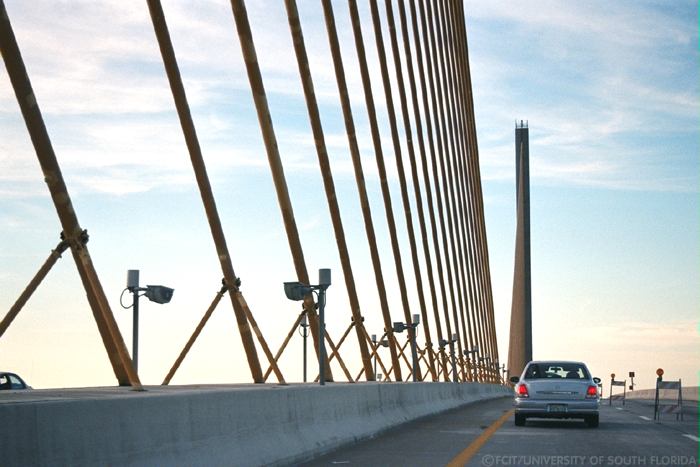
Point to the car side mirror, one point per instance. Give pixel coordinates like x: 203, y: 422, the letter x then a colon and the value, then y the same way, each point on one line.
x: 515, y: 379
x: 596, y: 380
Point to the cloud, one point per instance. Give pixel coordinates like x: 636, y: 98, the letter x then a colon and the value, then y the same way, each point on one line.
x: 628, y: 24
x: 100, y: 83
x: 99, y: 80
x: 610, y: 92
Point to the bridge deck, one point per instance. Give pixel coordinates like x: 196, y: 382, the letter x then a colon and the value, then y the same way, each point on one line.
x: 626, y: 436
x: 212, y: 425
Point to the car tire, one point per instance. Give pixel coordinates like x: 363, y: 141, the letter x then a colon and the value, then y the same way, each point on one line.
x: 592, y: 421
x: 520, y: 420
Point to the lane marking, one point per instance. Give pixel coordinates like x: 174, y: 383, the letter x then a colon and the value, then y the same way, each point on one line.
x: 469, y: 431
x: 645, y: 418
x: 618, y: 408
x: 694, y: 438
x: 463, y: 457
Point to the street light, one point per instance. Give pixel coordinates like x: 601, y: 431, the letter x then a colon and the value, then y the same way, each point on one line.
x: 297, y: 291
x: 443, y: 343
x: 304, y: 331
x: 401, y: 327
x: 155, y: 293
x: 474, y: 351
x: 383, y: 343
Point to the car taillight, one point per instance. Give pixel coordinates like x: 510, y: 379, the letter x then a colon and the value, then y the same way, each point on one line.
x: 522, y: 391
x: 591, y: 392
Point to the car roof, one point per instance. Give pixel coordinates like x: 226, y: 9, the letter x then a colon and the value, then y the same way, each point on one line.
x: 556, y: 361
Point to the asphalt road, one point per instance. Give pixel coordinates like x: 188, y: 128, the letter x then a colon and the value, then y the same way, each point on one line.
x: 627, y: 436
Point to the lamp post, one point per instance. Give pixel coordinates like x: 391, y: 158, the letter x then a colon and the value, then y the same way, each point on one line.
x: 304, y: 326
x: 376, y: 349
x: 155, y: 293
x: 474, y: 351
x: 377, y: 344
x: 454, y: 357
x: 297, y: 291
x: 401, y: 327
x: 443, y: 343
x: 132, y: 284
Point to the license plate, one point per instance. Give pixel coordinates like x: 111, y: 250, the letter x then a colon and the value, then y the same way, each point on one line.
x: 556, y: 408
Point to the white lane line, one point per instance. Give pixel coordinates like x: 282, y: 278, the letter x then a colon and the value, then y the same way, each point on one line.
x: 645, y: 418
x: 618, y: 408
x: 694, y: 438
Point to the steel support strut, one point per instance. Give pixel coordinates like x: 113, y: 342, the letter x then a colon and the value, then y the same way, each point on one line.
x: 426, y: 179
x: 466, y: 197
x: 471, y: 297
x: 474, y: 163
x: 32, y: 286
x: 440, y: 178
x: 183, y: 110
x: 360, y: 179
x: 207, y: 314
x: 430, y: 132
x: 391, y: 117
x: 245, y: 36
x: 379, y: 155
x: 73, y: 233
x: 416, y: 188
x: 324, y: 163
x: 477, y: 308
x: 426, y: 182
x: 448, y: 132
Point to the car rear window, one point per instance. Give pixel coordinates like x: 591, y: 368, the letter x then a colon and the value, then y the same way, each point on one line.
x: 556, y: 370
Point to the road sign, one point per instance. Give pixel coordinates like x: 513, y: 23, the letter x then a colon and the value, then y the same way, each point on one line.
x: 622, y: 396
x: 666, y: 405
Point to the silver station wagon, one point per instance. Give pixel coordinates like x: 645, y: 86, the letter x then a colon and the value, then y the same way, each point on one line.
x: 556, y: 389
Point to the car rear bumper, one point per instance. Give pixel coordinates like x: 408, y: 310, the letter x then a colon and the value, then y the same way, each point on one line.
x: 556, y: 408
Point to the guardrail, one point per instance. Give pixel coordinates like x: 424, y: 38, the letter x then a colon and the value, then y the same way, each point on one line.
x: 213, y: 425
x: 690, y: 394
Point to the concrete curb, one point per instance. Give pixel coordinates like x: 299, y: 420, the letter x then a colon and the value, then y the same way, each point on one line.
x: 271, y: 425
x: 690, y: 394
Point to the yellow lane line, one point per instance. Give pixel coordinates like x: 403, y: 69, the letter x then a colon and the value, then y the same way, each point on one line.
x: 466, y: 455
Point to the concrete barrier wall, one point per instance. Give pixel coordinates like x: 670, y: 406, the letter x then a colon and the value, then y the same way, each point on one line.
x: 249, y: 425
x: 689, y: 394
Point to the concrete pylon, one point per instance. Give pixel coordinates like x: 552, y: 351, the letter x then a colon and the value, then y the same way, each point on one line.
x: 520, y: 343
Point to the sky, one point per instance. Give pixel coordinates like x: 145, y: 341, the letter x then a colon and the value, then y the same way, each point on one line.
x: 610, y: 92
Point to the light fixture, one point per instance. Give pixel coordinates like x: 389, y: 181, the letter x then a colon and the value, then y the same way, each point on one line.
x: 298, y: 291
x: 400, y: 327
x: 155, y: 293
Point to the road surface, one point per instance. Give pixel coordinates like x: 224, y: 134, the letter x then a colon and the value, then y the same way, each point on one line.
x: 483, y: 434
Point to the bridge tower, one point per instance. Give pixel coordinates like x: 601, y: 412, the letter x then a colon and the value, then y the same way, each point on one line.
x: 520, y: 343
